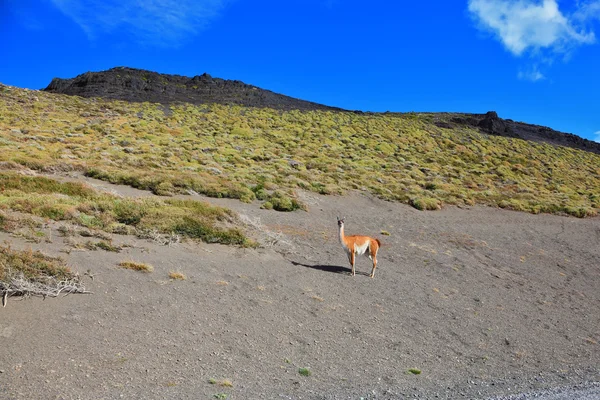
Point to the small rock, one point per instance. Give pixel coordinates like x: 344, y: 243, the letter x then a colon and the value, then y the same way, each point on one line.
x: 215, y: 171
x: 294, y: 164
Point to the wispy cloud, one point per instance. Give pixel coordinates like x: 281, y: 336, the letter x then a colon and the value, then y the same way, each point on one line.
x: 596, y: 137
x: 587, y: 10
x: 536, y: 29
x: 153, y: 22
x: 532, y: 74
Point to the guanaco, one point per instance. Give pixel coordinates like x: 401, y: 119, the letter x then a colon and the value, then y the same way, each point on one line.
x: 357, y: 245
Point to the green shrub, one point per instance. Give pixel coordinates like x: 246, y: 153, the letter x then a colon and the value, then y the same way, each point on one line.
x: 426, y: 203
x: 128, y: 212
x: 284, y: 202
x: 198, y: 229
x: 164, y: 188
x: 267, y: 205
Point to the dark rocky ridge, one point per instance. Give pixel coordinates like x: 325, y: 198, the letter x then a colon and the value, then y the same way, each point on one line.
x: 139, y: 85
x: 492, y: 124
x: 130, y: 84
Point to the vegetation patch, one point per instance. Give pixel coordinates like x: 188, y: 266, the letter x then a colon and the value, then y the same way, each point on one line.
x: 107, y: 246
x: 136, y: 266
x: 82, y: 205
x: 282, y: 201
x: 29, y: 273
x: 426, y: 203
x: 245, y: 153
x: 177, y: 276
x: 221, y: 382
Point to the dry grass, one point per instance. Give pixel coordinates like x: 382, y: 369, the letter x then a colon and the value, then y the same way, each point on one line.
x: 221, y: 382
x: 177, y: 276
x: 136, y: 266
x: 29, y: 273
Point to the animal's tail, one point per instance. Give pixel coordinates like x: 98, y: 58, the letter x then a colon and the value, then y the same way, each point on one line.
x: 378, y: 242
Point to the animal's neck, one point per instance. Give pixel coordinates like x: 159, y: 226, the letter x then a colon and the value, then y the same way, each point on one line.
x: 342, y: 236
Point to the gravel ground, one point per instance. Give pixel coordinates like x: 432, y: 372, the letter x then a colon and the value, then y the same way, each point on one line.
x: 585, y: 392
x: 485, y: 303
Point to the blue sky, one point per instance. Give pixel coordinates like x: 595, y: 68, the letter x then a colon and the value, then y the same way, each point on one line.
x: 535, y: 61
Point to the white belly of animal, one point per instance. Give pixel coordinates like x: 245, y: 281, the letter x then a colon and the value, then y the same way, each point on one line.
x: 362, y: 249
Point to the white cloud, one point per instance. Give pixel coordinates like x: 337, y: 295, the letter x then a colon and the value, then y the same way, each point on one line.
x: 587, y: 10
x: 531, y: 74
x: 156, y: 22
x: 597, y: 136
x: 528, y: 25
x: 537, y: 29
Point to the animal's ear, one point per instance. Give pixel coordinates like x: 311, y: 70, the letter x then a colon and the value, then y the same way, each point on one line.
x: 338, y: 218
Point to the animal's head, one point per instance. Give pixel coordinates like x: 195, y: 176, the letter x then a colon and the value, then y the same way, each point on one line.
x: 340, y: 222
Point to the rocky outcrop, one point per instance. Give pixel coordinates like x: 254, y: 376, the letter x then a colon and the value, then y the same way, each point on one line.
x: 138, y: 85
x: 492, y: 124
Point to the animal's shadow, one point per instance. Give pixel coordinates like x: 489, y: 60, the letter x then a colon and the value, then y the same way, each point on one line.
x: 336, y: 269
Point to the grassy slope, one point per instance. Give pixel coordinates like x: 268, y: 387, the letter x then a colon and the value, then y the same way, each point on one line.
x: 82, y: 205
x: 238, y: 152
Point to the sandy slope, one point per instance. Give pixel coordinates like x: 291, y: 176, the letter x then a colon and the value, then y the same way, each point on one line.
x: 484, y: 302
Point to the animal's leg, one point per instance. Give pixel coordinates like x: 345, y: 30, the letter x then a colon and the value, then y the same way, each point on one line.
x: 374, y: 266
x: 352, y: 260
x: 373, y: 255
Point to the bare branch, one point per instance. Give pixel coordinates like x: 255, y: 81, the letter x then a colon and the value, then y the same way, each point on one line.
x: 268, y: 237
x: 46, y: 287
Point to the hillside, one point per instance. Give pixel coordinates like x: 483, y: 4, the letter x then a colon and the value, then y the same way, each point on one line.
x: 138, y: 85
x: 426, y: 160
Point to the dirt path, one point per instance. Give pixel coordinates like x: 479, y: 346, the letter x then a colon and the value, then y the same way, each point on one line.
x: 484, y: 302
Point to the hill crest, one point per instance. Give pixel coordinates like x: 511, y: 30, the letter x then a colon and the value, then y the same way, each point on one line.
x: 138, y: 85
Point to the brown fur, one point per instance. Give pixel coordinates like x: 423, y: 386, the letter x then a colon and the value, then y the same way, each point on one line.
x: 359, y: 244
